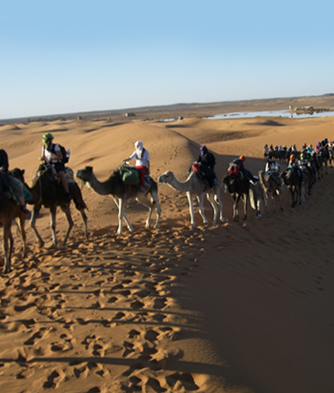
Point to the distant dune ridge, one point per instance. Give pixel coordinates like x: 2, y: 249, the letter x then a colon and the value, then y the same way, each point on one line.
x: 235, y: 307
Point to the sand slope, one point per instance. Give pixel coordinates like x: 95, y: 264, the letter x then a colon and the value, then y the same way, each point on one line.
x: 238, y: 307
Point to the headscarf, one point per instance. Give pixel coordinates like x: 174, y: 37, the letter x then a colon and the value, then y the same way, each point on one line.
x: 139, y: 148
x: 46, y: 138
x: 47, y: 141
x: 203, y: 150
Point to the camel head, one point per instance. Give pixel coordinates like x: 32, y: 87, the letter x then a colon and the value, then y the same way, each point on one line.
x: 167, y: 177
x: 18, y: 173
x: 226, y: 180
x: 85, y: 174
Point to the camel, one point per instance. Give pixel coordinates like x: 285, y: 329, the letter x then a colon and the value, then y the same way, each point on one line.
x: 241, y: 188
x: 8, y: 212
x: 294, y: 183
x: 256, y: 198
x: 120, y: 193
x: 322, y: 157
x: 308, y: 180
x: 47, y: 192
x: 193, y: 185
x: 272, y: 189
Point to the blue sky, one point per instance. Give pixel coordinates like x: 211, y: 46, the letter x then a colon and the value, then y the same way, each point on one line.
x: 76, y: 56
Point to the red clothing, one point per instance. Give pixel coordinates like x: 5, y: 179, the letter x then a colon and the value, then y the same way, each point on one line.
x: 142, y: 170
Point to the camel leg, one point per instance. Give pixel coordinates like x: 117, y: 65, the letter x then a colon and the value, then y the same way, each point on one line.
x: 235, y: 208
x: 67, y: 212
x: 273, y: 198
x: 153, y: 204
x: 121, y: 215
x: 245, y: 200
x: 84, y: 219
x: 21, y: 225
x: 191, y: 209
x: 200, y: 200
x: 220, y: 204
x: 53, y: 211
x: 117, y: 203
x: 144, y: 201
x: 279, y: 201
x: 210, y: 197
x: 35, y: 212
x: 157, y: 208
x: 7, y: 247
x: 258, y: 208
x: 267, y: 201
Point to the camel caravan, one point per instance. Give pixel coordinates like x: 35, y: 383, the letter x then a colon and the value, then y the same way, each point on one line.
x: 54, y: 186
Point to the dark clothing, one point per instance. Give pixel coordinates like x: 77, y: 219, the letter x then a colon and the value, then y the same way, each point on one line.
x: 206, y: 164
x: 239, y: 163
x: 14, y: 183
x: 246, y: 173
x: 59, y: 166
x: 208, y: 160
x: 4, y: 163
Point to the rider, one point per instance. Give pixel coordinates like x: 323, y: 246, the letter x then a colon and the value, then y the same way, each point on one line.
x: 142, y: 164
x: 272, y: 168
x: 14, y: 183
x: 207, y: 162
x: 293, y: 164
x: 51, y: 153
x: 239, y: 162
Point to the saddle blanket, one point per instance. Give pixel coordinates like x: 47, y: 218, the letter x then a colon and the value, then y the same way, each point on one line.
x: 68, y: 174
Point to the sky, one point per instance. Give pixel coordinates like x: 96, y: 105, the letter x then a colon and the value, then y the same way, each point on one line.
x: 59, y: 57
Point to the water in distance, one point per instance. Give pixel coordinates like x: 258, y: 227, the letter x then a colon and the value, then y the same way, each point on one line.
x: 280, y: 113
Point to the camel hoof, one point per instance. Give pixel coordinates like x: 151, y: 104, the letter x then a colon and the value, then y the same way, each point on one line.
x: 236, y: 219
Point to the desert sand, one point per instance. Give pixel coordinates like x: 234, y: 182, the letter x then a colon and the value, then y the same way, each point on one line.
x: 236, y: 307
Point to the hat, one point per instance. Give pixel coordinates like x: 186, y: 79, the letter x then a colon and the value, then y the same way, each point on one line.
x: 47, y: 137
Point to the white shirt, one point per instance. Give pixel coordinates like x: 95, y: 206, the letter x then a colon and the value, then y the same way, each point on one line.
x: 51, y: 157
x: 272, y: 167
x: 141, y: 161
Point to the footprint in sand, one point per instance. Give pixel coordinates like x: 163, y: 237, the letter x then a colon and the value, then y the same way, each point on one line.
x: 51, y: 382
x: 179, y: 381
x: 38, y: 335
x: 61, y: 346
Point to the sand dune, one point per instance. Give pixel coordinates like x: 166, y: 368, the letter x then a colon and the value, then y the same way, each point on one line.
x: 235, y: 307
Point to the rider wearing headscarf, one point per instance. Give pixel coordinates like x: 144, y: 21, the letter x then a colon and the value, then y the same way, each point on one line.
x: 207, y: 163
x: 142, y: 164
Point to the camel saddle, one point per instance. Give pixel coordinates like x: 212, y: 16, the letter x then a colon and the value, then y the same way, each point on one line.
x: 53, y: 173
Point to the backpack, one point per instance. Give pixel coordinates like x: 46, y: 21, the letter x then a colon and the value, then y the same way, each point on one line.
x: 65, y: 158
